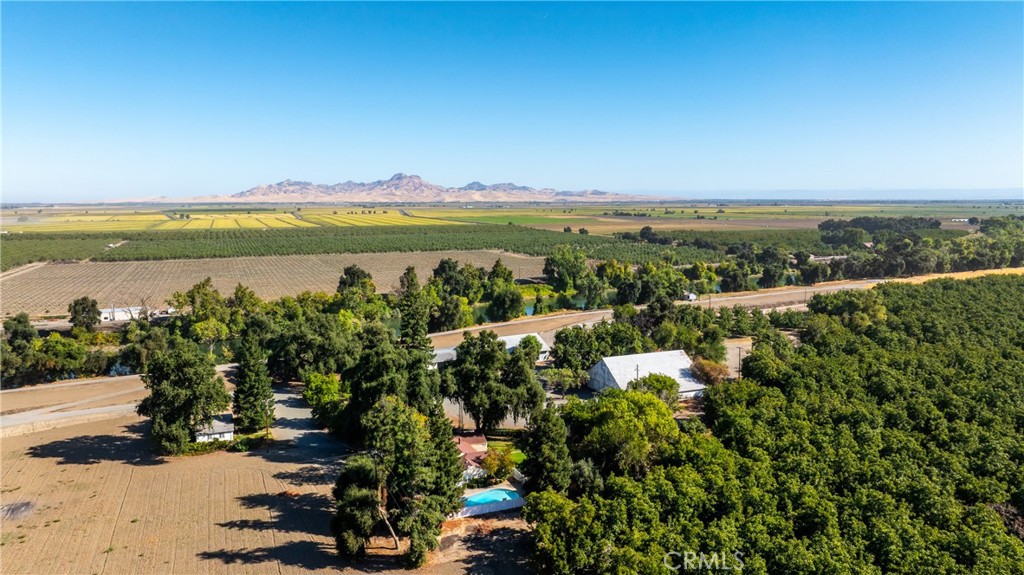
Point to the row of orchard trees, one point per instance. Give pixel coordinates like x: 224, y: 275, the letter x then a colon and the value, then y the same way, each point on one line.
x: 891, y: 440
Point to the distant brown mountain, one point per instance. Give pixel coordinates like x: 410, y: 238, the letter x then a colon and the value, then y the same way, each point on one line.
x: 404, y: 188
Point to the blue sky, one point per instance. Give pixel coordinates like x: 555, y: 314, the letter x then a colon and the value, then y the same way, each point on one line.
x: 131, y: 100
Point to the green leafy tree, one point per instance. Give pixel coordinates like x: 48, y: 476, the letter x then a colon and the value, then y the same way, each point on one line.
x: 323, y: 394
x: 620, y: 431
x: 498, y: 463
x: 452, y: 312
x: 501, y: 272
x: 771, y: 276
x: 200, y: 303
x: 523, y: 390
x: 19, y: 330
x: 353, y: 276
x: 547, y: 464
x: 506, y: 304
x: 564, y: 379
x: 185, y: 393
x: 58, y: 356
x: 85, y: 313
x: 564, y: 267
x: 477, y: 372
x: 592, y: 289
x: 253, y: 404
x: 661, y: 386
x: 209, y: 332
x: 358, y: 508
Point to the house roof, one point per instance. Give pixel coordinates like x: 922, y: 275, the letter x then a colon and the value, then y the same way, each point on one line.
x: 675, y: 364
x: 512, y: 341
x: 221, y: 424
x: 443, y: 354
x: 472, y: 447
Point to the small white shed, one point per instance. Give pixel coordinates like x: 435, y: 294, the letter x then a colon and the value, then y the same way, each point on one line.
x: 221, y: 429
x: 616, y: 372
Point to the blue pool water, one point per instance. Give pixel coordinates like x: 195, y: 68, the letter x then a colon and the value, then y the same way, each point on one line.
x: 491, y: 496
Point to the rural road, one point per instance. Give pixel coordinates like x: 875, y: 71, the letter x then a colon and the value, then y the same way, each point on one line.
x: 792, y: 297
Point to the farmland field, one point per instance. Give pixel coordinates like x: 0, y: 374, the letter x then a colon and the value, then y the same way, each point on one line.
x: 709, y: 216
x: 195, y: 244
x: 47, y: 234
x: 51, y: 220
x: 95, y: 498
x: 49, y: 289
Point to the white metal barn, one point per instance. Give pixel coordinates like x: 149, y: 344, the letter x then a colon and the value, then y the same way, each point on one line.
x: 221, y: 429
x: 121, y: 313
x: 616, y: 372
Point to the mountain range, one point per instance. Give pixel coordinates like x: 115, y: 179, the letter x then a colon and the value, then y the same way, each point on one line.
x: 408, y: 188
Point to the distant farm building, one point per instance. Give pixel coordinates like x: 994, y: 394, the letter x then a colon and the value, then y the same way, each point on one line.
x: 122, y: 313
x: 220, y: 429
x: 616, y: 372
x: 446, y: 354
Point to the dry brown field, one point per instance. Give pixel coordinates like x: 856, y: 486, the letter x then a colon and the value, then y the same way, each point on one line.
x: 94, y: 498
x: 48, y: 289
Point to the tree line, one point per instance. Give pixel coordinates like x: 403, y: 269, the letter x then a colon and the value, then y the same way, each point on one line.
x: 890, y: 440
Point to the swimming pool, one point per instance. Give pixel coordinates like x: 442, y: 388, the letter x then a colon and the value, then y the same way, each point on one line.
x: 491, y: 496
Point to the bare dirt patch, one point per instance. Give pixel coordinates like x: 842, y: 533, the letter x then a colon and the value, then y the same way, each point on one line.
x: 102, y: 501
x: 48, y: 289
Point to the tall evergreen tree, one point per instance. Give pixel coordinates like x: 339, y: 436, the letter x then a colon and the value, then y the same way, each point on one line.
x: 254, y: 398
x: 547, y: 464
x: 414, y: 307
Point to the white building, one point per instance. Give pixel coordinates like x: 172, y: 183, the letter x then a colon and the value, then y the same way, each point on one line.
x: 122, y: 313
x: 446, y: 354
x: 512, y: 342
x: 221, y: 429
x: 616, y: 372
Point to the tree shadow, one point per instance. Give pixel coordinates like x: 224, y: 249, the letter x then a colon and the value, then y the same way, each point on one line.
x: 323, y: 474
x: 307, y: 555
x: 312, y: 446
x: 132, y: 447
x: 294, y: 423
x: 500, y: 551
x: 308, y: 513
x: 293, y: 401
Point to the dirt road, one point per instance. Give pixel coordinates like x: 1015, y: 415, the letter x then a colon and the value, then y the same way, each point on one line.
x: 790, y: 297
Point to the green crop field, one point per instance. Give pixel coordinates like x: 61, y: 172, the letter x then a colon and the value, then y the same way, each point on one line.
x: 704, y: 216
x: 214, y: 243
x: 75, y: 233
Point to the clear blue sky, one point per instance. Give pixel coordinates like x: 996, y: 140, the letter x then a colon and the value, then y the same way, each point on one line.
x: 130, y: 100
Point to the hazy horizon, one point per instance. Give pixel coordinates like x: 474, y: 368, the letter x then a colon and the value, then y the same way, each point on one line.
x: 119, y: 101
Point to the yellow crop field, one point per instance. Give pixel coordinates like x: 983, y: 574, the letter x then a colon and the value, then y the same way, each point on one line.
x: 233, y: 221
x: 49, y: 220
x: 350, y: 218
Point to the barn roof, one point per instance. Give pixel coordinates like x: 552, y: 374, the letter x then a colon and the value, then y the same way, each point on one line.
x: 675, y: 364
